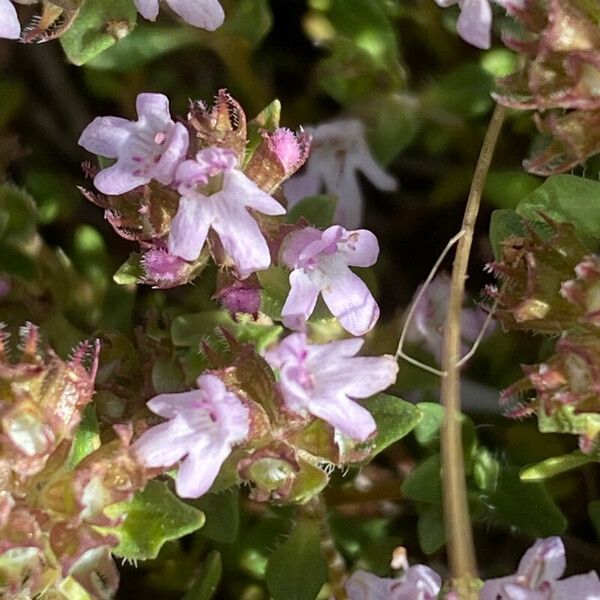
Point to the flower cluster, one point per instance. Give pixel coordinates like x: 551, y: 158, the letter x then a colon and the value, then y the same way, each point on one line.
x: 51, y: 507
x: 179, y: 189
x: 58, y: 16
x: 266, y: 431
x: 537, y: 577
x: 559, y: 46
x: 185, y: 190
x: 549, y: 284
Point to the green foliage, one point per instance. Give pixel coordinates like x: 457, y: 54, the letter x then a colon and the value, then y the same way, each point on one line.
x: 527, y: 506
x: 568, y: 199
x: 130, y: 272
x: 317, y: 210
x: 296, y: 569
x: 363, y: 46
x: 555, y: 466
x: 206, y: 585
x: 87, y: 437
x: 495, y: 491
x: 190, y: 329
x: 154, y: 517
x: 222, y: 512
x: 394, y: 417
x: 99, y: 25
x: 464, y: 91
x: 146, y: 43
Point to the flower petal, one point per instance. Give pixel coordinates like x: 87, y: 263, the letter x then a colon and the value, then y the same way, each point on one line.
x: 244, y: 191
x: 475, y: 22
x: 10, y: 28
x: 344, y: 414
x: 300, y: 302
x: 351, y: 302
x: 579, y: 586
x: 366, y: 586
x: 177, y: 146
x: 169, y: 405
x: 206, y: 14
x: 164, y: 444
x: 366, y: 376
x: 105, y: 135
x: 118, y: 179
x: 199, y: 470
x: 241, y: 237
x: 147, y: 8
x: 190, y: 226
x: 360, y: 248
x: 548, y: 553
x: 154, y: 107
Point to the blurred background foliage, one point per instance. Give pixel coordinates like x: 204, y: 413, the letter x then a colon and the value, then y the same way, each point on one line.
x: 424, y: 97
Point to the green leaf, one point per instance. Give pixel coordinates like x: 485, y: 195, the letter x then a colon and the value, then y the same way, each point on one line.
x: 90, y: 32
x: 424, y: 483
x: 394, y: 417
x: 296, y: 570
x: 222, y: 512
x: 267, y: 119
x: 130, y: 272
x: 145, y: 44
x: 247, y: 19
x: 428, y: 428
x: 190, y: 329
x: 504, y: 223
x: 554, y: 466
x: 465, y: 92
x: 275, y: 285
x: 527, y: 506
x: 154, y: 517
x: 506, y: 188
x: 317, y: 210
x: 569, y: 199
x: 206, y: 585
x: 167, y: 376
x: 594, y: 512
x: 15, y: 262
x: 430, y: 528
x: 87, y: 437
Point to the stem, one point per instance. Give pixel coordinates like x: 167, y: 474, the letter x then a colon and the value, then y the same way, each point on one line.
x: 336, y: 566
x: 456, y: 510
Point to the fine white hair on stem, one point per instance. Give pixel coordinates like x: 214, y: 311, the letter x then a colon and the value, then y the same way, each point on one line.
x: 411, y: 311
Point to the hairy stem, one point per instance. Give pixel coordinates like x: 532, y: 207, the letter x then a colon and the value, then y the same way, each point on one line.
x: 336, y: 565
x: 456, y: 510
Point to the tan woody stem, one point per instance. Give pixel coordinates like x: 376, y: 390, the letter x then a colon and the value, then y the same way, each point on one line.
x: 456, y: 510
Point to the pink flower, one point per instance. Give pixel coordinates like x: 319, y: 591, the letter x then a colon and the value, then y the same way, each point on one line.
x: 150, y: 148
x: 475, y: 21
x: 207, y: 14
x: 430, y: 316
x: 323, y: 379
x: 225, y: 211
x: 320, y: 261
x: 10, y: 27
x: 203, y: 426
x: 338, y: 151
x: 416, y: 583
x: 537, y: 577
